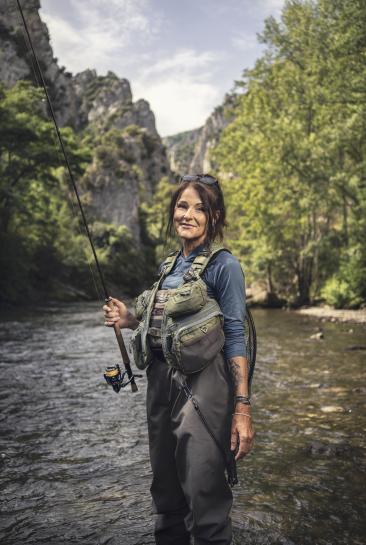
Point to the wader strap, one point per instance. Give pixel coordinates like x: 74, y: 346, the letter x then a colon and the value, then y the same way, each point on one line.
x: 229, y: 462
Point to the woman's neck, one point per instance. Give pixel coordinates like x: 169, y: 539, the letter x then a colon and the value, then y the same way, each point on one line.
x: 189, y: 245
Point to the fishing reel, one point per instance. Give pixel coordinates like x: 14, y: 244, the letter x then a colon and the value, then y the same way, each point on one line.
x: 116, y: 379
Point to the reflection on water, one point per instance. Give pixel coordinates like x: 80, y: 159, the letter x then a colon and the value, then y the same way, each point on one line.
x: 74, y: 457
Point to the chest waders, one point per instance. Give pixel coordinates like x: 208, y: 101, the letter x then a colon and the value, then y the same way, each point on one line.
x: 186, y: 326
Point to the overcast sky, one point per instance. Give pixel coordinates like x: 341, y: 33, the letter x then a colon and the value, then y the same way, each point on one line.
x: 180, y: 55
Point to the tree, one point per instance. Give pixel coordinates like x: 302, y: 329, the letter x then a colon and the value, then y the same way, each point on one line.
x: 33, y: 214
x: 296, y: 151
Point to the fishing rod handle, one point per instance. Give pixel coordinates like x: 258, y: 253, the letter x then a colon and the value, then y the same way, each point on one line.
x: 124, y: 354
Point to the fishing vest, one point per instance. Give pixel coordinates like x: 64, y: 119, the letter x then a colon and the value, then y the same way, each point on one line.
x: 184, y: 322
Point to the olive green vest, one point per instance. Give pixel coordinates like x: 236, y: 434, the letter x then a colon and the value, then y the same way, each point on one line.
x: 192, y: 323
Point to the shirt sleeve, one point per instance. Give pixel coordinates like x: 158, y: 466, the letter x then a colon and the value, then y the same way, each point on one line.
x: 225, y: 279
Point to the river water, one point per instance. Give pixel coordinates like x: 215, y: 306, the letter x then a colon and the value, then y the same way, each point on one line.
x: 74, y: 456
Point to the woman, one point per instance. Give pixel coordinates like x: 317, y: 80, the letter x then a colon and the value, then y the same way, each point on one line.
x: 189, y: 448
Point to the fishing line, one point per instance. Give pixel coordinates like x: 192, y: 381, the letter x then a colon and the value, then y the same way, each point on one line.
x: 68, y: 194
x: 112, y: 375
x: 61, y: 142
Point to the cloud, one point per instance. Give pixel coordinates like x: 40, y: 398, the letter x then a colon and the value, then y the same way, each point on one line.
x: 181, y: 88
x: 99, y: 31
x: 271, y: 7
x: 184, y: 62
x: 115, y: 35
x: 244, y: 41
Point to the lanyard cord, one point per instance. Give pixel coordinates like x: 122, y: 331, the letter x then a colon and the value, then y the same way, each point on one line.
x: 124, y: 354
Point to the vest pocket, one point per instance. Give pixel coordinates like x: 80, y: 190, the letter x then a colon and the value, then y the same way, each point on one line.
x: 136, y: 347
x: 187, y: 299
x: 141, y: 303
x: 196, y: 345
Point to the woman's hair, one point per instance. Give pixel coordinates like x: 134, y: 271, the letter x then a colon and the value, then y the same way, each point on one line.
x: 213, y: 205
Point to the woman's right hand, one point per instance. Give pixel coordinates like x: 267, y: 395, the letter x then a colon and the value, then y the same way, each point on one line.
x: 117, y: 313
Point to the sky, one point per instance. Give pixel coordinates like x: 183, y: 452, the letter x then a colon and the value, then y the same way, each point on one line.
x: 180, y: 55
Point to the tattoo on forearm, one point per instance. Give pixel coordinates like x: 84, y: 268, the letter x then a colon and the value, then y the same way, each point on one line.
x: 236, y: 372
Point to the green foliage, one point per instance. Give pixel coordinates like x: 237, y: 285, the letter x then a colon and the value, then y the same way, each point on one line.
x: 123, y: 262
x: 154, y: 218
x: 347, y: 288
x: 37, y: 224
x: 296, y: 153
x: 337, y: 292
x: 43, y: 246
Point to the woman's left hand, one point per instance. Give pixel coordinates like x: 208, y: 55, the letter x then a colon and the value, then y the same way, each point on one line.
x: 242, y: 432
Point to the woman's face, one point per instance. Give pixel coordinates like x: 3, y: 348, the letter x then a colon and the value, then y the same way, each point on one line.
x: 189, y: 217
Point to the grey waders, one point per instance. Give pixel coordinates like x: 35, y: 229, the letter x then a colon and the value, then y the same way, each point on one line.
x: 189, y: 408
x: 190, y: 491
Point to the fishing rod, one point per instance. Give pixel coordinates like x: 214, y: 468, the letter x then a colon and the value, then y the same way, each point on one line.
x: 113, y: 374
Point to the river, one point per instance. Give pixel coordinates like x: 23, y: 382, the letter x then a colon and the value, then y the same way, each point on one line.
x: 74, y: 455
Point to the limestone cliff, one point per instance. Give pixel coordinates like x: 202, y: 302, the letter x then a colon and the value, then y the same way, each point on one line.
x: 129, y: 158
x: 16, y: 61
x: 181, y: 149
x: 190, y: 151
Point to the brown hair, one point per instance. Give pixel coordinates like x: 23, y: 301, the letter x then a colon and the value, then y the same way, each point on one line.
x: 213, y: 205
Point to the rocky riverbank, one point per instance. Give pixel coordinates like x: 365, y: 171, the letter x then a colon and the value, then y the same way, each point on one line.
x: 328, y: 313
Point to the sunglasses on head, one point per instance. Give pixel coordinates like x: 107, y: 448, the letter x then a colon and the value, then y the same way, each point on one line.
x: 203, y: 178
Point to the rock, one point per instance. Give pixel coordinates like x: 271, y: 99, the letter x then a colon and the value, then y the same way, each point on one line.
x: 189, y: 152
x: 209, y: 137
x: 258, y: 295
x: 332, y: 409
x: 319, y: 335
x: 125, y: 169
x: 15, y: 60
x: 326, y: 313
x: 328, y: 449
x: 121, y: 176
x: 180, y: 149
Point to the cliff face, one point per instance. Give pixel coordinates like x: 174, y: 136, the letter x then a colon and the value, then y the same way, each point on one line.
x: 181, y: 150
x: 129, y: 158
x: 125, y: 169
x: 106, y: 101
x: 189, y: 152
x: 16, y: 63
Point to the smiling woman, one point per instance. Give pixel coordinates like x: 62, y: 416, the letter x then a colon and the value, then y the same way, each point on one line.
x: 190, y: 218
x: 189, y: 335
x: 197, y: 212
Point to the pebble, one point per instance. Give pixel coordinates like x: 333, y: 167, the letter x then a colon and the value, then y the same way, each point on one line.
x: 319, y: 335
x: 332, y: 409
x: 328, y: 449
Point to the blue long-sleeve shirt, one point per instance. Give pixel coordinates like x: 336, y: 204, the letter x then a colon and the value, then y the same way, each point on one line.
x: 225, y: 283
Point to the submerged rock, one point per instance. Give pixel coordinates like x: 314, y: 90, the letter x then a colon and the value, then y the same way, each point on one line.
x: 319, y: 335
x: 318, y: 448
x: 332, y: 409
